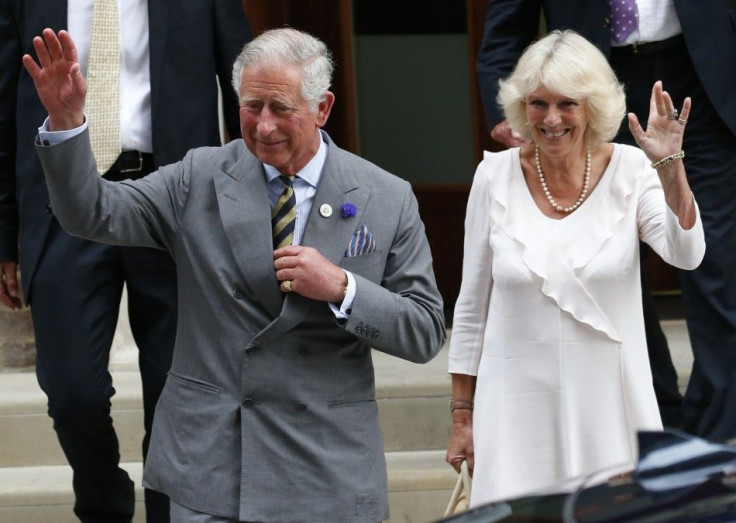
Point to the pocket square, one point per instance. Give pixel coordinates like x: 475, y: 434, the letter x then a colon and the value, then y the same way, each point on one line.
x: 361, y: 243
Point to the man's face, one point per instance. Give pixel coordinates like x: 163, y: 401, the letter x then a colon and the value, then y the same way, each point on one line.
x: 276, y: 122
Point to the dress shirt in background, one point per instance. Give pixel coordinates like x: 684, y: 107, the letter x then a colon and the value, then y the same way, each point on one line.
x: 135, y: 76
x: 657, y: 21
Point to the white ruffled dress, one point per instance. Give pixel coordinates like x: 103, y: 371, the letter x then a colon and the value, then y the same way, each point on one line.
x: 549, y: 318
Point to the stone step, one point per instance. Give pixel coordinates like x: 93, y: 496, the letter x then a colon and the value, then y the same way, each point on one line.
x: 409, y: 396
x: 412, y: 403
x: 420, y: 484
x: 35, y: 482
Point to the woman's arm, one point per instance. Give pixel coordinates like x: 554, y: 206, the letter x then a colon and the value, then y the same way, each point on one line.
x: 460, y: 447
x: 662, y: 143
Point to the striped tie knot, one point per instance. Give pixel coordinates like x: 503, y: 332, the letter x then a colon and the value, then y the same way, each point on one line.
x: 284, y: 215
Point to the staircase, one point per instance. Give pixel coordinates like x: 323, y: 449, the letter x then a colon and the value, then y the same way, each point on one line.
x: 35, y: 482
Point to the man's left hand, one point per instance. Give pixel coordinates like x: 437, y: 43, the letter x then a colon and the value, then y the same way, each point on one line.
x: 309, y: 274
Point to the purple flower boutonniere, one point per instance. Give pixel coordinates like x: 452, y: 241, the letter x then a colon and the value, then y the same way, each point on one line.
x: 347, y: 210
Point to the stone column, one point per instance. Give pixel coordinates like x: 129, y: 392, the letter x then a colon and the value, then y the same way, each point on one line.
x: 17, y: 342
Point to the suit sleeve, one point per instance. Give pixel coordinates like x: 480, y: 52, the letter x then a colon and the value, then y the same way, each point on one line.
x: 144, y: 212
x: 232, y: 30
x: 510, y: 26
x: 471, y: 308
x: 403, y: 316
x: 10, y: 64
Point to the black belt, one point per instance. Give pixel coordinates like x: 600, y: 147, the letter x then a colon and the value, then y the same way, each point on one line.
x: 649, y: 48
x: 130, y: 165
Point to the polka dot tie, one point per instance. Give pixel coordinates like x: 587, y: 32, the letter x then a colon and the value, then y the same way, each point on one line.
x: 624, y: 19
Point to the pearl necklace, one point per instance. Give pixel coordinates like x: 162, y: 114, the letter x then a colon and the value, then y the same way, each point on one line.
x: 586, y: 183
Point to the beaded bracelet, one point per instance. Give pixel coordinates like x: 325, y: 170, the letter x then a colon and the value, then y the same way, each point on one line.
x: 460, y: 405
x: 668, y: 160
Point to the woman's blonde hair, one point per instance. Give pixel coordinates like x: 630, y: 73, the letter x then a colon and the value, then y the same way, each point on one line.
x: 566, y: 63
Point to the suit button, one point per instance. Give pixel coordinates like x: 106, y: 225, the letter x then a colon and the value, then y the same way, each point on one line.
x: 237, y: 294
x: 47, y: 208
x: 248, y: 403
x: 301, y: 407
x: 303, y: 351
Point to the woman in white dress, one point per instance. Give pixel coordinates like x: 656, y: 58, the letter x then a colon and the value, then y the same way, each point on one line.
x: 550, y: 375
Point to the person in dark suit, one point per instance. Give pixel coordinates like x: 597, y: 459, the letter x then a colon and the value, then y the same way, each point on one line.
x: 172, y: 53
x: 296, y: 259
x: 691, y: 47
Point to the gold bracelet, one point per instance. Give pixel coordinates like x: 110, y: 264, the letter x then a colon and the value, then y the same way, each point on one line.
x: 668, y: 160
x: 460, y: 405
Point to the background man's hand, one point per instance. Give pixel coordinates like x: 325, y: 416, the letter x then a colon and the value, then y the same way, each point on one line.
x: 502, y: 133
x: 311, y: 274
x: 9, y: 285
x: 58, y: 80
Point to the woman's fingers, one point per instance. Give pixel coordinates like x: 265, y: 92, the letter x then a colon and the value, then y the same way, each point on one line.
x: 685, y: 113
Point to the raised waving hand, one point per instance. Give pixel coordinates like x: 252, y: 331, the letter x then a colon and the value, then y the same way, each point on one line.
x: 59, y: 82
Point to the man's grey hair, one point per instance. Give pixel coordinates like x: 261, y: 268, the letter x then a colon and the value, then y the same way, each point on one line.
x: 290, y: 47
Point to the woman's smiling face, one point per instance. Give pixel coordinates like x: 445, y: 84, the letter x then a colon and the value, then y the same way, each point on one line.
x: 557, y: 123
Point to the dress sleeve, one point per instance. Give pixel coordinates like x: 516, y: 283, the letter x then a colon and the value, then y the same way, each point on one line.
x: 471, y: 308
x: 660, y: 229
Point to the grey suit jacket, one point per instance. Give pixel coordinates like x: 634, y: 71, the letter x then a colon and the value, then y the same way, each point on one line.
x: 269, y: 411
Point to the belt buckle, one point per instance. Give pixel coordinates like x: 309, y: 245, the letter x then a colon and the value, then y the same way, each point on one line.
x: 135, y: 169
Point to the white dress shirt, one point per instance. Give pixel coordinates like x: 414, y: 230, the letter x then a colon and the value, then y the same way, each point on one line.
x: 657, y: 21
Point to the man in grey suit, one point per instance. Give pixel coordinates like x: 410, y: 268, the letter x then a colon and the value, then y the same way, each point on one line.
x: 269, y: 411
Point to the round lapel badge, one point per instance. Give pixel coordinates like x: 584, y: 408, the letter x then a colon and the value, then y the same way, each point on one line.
x: 325, y: 210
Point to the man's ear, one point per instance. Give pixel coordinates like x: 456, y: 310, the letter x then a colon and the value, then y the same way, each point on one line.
x: 324, y: 108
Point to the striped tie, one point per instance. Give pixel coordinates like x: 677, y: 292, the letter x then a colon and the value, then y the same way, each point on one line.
x: 284, y: 215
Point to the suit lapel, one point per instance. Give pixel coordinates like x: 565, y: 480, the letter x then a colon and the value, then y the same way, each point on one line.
x: 331, y: 235
x: 339, y: 184
x: 246, y: 218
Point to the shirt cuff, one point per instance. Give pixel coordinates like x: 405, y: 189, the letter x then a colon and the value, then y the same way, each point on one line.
x: 343, y: 312
x: 46, y: 137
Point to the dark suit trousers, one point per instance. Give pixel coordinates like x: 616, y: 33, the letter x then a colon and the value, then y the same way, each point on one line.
x: 76, y: 293
x: 709, y: 292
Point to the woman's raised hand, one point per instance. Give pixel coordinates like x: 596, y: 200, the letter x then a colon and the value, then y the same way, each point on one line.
x: 665, y: 126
